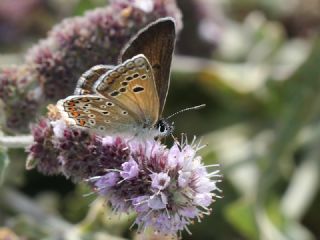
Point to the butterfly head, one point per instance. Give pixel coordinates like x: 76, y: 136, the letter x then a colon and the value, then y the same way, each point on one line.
x: 164, y: 128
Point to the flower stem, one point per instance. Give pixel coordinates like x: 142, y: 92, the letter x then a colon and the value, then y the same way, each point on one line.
x: 16, y: 141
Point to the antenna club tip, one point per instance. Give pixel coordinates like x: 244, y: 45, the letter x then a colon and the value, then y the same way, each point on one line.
x: 201, y: 106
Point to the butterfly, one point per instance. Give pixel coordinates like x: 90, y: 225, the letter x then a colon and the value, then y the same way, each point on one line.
x: 128, y: 98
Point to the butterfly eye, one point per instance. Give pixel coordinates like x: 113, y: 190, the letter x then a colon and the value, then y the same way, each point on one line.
x: 162, y: 128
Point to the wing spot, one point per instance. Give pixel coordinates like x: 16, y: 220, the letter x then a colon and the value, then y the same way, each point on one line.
x: 111, y: 81
x: 92, y: 121
x: 114, y: 93
x: 83, y: 100
x: 139, y: 62
x: 70, y: 104
x: 114, y: 75
x: 107, y: 121
x: 129, y: 78
x: 110, y: 104
x: 123, y: 89
x: 102, y: 128
x: 130, y: 65
x: 75, y: 114
x: 124, y: 112
x: 135, y: 75
x: 137, y: 89
x: 81, y: 122
x: 106, y: 113
x: 122, y: 69
x: 103, y: 106
x: 143, y: 76
x: 124, y: 83
x: 86, y: 111
x: 91, y: 116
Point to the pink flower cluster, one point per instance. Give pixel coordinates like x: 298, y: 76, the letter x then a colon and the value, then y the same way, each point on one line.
x: 167, y: 187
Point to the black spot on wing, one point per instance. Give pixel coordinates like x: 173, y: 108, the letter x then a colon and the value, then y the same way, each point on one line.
x: 114, y: 94
x: 137, y: 89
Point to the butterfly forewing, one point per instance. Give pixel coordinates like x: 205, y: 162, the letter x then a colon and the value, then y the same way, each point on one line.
x: 97, y: 113
x: 156, y: 42
x: 87, y: 79
x: 131, y: 85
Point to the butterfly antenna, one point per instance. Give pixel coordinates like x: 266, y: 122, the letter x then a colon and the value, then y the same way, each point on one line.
x: 187, y: 109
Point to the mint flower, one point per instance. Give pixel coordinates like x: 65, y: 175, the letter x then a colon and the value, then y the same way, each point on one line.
x: 168, y: 188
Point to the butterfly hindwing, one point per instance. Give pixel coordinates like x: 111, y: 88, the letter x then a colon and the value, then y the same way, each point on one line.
x: 156, y: 42
x: 87, y: 79
x: 97, y: 113
x: 131, y: 85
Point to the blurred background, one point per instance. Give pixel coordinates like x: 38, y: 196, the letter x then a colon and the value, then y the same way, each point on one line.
x: 254, y: 63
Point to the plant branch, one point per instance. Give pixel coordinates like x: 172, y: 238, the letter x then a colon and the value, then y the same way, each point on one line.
x: 16, y: 201
x: 16, y: 141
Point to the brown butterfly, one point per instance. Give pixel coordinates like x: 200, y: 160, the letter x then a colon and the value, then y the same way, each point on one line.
x: 128, y: 98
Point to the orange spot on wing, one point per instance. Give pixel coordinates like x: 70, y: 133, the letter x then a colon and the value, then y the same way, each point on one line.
x: 82, y: 122
x: 75, y: 114
x: 72, y: 104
